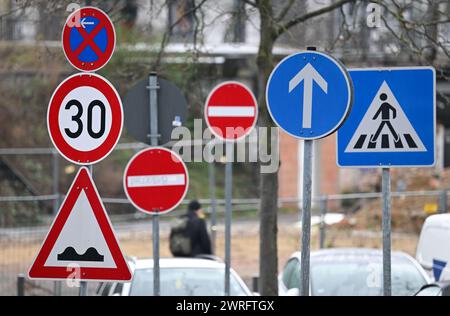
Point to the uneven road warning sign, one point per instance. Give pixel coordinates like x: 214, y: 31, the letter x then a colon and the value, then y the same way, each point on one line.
x: 85, y: 118
x: 392, y: 122
x: 81, y: 243
x: 88, y: 39
x: 156, y: 180
x: 231, y: 110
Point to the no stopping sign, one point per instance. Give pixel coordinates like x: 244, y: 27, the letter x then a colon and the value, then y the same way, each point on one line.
x: 88, y: 39
x: 85, y: 118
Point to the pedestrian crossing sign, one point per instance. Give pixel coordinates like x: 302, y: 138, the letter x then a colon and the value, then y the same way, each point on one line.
x: 393, y: 119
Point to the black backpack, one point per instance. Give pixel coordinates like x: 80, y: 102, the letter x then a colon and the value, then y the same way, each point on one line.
x: 180, y: 241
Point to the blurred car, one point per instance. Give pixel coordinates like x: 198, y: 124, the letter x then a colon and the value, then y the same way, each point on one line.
x: 178, y: 277
x: 352, y: 272
x: 435, y: 289
x: 432, y: 254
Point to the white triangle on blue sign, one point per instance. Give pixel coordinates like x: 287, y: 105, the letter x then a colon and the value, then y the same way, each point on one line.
x: 385, y: 127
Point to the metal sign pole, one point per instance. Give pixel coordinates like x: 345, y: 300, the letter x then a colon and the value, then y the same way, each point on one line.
x: 386, y: 223
x: 83, y: 288
x: 153, y: 88
x: 228, y: 210
x: 155, y: 229
x: 443, y: 202
x: 55, y: 171
x: 83, y: 284
x: 306, y: 215
x: 323, y: 213
x: 212, y: 193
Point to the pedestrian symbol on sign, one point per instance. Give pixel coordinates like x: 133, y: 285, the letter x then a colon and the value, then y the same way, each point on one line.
x: 385, y: 127
x: 384, y: 111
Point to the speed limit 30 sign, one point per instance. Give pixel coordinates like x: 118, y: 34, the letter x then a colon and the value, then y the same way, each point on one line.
x: 85, y: 118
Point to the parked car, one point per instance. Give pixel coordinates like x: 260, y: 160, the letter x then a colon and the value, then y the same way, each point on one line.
x: 178, y: 277
x: 432, y: 252
x: 435, y: 289
x: 109, y: 289
x: 353, y: 272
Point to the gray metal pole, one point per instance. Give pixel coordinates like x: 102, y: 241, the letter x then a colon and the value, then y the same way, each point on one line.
x: 386, y: 223
x: 56, y: 203
x: 228, y: 210
x: 212, y: 194
x: 443, y: 202
x: 156, y: 272
x: 306, y: 212
x: 323, y: 213
x: 83, y: 288
x: 55, y: 174
x: 83, y: 284
x: 153, y: 91
x: 306, y: 216
x: 20, y: 285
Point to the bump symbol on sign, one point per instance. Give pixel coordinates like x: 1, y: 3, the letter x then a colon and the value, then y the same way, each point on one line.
x: 385, y: 127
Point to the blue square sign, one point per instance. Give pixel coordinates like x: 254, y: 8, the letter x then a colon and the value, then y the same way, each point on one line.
x: 393, y: 119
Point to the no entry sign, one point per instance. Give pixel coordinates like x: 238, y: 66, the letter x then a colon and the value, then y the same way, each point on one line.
x: 88, y: 39
x: 156, y: 180
x: 85, y: 118
x: 231, y: 110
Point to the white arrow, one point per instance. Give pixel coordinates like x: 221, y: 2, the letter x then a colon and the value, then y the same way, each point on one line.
x: 308, y: 74
x: 83, y: 23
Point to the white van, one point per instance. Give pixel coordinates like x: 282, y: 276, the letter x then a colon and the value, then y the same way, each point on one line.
x: 433, y: 249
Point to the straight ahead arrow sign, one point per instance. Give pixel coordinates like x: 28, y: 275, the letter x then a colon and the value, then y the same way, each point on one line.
x: 308, y: 74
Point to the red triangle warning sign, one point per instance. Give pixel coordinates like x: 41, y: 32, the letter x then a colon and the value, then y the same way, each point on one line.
x: 81, y: 243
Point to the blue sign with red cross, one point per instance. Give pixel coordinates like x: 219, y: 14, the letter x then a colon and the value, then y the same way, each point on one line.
x: 88, y: 39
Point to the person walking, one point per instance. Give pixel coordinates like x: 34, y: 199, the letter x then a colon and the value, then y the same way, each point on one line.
x: 189, y: 235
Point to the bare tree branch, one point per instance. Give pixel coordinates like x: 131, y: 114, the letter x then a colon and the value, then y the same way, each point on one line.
x: 285, y: 10
x: 280, y: 30
x: 342, y: 28
x: 20, y: 9
x: 168, y: 33
x: 410, y: 27
x: 251, y: 3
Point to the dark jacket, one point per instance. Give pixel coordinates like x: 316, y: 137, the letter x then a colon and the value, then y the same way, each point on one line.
x: 197, y: 231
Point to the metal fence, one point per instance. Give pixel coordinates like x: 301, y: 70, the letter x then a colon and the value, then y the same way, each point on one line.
x: 19, y: 245
x: 338, y: 221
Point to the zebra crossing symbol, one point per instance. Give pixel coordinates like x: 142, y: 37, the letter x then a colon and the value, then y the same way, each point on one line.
x: 385, y: 127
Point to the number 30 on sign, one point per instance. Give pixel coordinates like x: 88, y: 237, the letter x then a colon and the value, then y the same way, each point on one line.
x: 85, y: 118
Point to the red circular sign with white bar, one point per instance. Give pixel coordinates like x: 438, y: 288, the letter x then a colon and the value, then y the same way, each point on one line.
x: 88, y: 39
x: 156, y: 180
x: 85, y: 118
x: 231, y: 111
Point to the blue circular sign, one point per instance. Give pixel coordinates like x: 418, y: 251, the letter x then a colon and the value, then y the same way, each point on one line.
x: 309, y: 94
x: 88, y: 39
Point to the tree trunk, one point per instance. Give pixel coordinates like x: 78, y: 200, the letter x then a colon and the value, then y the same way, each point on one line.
x: 268, y: 257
